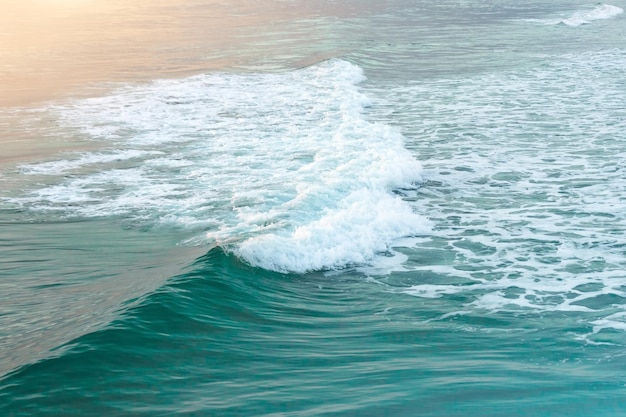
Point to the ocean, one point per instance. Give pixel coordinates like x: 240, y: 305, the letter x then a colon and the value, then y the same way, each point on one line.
x: 376, y: 209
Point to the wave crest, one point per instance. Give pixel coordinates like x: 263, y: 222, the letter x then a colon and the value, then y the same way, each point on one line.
x: 283, y: 169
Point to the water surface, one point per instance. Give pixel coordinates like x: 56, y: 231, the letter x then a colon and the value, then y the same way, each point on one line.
x: 406, y: 209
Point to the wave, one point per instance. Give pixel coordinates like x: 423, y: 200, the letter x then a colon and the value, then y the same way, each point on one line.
x: 583, y: 17
x: 282, y: 169
x: 600, y: 12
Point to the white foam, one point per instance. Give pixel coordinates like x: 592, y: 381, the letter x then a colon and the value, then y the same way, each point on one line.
x: 362, y: 225
x: 525, y: 189
x: 282, y: 169
x: 64, y: 166
x: 433, y: 290
x: 600, y: 12
x: 583, y: 17
x: 615, y: 321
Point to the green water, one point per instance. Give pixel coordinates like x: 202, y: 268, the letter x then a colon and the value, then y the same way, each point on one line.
x: 224, y: 339
x: 117, y: 298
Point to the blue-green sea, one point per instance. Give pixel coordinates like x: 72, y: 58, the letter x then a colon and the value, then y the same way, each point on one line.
x: 427, y: 218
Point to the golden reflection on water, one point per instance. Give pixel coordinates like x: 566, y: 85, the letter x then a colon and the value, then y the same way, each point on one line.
x: 51, y: 49
x: 57, y: 49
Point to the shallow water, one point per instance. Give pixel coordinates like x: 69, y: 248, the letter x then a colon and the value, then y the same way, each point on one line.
x: 429, y: 223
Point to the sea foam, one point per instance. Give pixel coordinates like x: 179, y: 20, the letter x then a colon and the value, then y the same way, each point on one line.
x: 583, y: 17
x: 602, y: 11
x: 526, y: 190
x: 283, y: 170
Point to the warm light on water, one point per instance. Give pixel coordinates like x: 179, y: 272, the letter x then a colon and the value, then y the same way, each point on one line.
x: 54, y: 50
x: 313, y: 208
x: 53, y: 47
x: 50, y: 48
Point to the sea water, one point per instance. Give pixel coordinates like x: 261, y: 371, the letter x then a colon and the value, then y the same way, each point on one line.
x: 429, y: 223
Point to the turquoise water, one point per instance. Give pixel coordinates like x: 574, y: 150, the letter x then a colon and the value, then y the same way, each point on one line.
x: 431, y: 223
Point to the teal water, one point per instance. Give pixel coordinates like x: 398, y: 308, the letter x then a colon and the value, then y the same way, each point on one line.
x: 429, y: 224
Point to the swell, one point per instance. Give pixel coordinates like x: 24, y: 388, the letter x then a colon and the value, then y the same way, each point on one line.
x: 229, y: 339
x: 63, y: 279
x: 197, y: 337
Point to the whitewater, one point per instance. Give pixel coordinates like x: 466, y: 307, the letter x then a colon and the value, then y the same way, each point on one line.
x: 429, y: 219
x: 290, y: 166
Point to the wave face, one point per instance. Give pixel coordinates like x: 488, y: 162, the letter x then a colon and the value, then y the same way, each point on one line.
x: 282, y: 169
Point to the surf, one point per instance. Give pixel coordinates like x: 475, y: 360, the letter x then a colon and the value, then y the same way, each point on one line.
x: 282, y: 169
x: 584, y: 17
